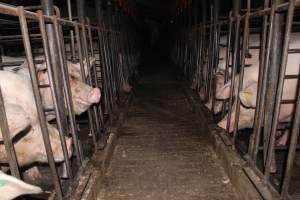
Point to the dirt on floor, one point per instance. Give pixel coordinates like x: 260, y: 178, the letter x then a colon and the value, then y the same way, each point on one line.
x: 162, y: 154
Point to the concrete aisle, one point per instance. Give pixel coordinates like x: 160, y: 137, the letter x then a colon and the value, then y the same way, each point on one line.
x: 161, y: 152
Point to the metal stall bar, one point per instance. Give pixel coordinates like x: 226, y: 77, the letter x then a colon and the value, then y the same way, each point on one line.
x: 279, y: 92
x: 102, y: 54
x: 254, y: 141
x: 59, y: 110
x: 72, y: 47
x: 94, y: 114
x: 234, y: 69
x: 292, y: 149
x: 38, y: 101
x: 7, y: 140
x: 246, y: 33
x: 228, y: 54
x: 81, y: 57
x: 67, y: 88
x: 100, y: 114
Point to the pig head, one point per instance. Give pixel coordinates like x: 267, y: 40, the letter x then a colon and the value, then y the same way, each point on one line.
x: 83, y: 96
x: 30, y: 148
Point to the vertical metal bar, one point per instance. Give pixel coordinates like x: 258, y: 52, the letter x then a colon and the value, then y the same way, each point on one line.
x: 38, y: 101
x: 272, y: 81
x: 241, y: 76
x: 279, y: 90
x: 262, y: 82
x: 296, y: 123
x: 81, y: 57
x: 7, y: 140
x: 292, y: 149
x: 72, y: 47
x: 94, y: 71
x: 80, y: 10
x: 234, y: 69
x: 94, y: 115
x: 228, y: 54
x: 60, y: 124
x: 67, y: 89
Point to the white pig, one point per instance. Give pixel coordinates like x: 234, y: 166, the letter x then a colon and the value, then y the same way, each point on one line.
x: 249, y: 90
x: 17, y: 90
x: 83, y: 95
x: 17, y: 120
x: 11, y: 187
x: 30, y: 148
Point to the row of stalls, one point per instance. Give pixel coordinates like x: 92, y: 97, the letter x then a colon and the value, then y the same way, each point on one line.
x: 242, y: 58
x: 62, y: 79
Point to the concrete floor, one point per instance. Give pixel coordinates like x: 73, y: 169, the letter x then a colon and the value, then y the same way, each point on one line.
x: 161, y: 153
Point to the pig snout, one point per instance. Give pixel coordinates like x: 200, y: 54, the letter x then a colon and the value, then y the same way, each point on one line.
x: 58, y: 152
x: 223, y: 124
x: 94, y: 95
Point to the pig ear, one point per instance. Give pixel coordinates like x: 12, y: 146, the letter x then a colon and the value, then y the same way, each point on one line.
x: 40, y: 64
x: 224, y: 92
x: 11, y: 187
x: 91, y: 62
x: 248, y: 95
x: 17, y: 120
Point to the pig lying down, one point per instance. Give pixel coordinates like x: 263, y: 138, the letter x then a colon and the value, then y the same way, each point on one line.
x: 11, y: 187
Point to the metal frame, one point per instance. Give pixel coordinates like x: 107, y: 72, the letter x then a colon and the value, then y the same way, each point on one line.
x: 203, y: 71
x: 107, y: 74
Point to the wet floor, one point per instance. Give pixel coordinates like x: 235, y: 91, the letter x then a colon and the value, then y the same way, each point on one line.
x: 162, y: 154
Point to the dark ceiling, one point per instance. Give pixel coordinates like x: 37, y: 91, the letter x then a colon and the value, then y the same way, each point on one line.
x: 155, y: 9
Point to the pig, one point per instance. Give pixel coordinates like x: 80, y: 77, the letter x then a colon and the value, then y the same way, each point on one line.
x: 17, y: 120
x: 11, y: 85
x: 249, y: 90
x: 11, y: 187
x: 30, y: 148
x: 126, y: 88
x: 83, y: 95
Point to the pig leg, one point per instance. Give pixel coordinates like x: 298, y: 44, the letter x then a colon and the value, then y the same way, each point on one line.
x: 11, y: 187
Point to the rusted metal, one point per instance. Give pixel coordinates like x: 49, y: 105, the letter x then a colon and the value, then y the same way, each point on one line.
x: 38, y: 101
x: 58, y: 107
x: 7, y: 140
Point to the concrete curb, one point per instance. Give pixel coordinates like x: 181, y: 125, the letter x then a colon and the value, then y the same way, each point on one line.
x: 91, y: 178
x: 232, y: 162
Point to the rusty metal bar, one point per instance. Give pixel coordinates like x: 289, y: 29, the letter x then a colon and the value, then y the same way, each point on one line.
x: 279, y: 90
x: 234, y: 69
x: 7, y: 140
x: 67, y: 89
x: 61, y: 123
x: 38, y: 101
x: 81, y: 58
x: 241, y: 75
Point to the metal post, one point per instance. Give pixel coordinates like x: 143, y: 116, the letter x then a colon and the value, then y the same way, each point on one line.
x: 272, y: 80
x: 58, y: 108
x: 7, y: 140
x: 38, y: 101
